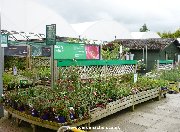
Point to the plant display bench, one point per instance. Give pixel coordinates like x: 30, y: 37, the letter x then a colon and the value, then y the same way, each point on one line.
x: 146, y: 95
x: 35, y: 121
x: 111, y: 108
x: 129, y: 101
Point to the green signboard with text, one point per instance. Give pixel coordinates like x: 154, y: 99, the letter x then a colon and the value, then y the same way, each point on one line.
x: 51, y: 34
x: 3, y: 40
x: 64, y: 50
x: 69, y: 51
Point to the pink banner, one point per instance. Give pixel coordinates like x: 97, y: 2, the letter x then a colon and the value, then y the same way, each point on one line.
x: 92, y: 52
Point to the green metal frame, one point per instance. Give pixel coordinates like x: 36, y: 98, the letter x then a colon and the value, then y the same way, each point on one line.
x: 63, y: 63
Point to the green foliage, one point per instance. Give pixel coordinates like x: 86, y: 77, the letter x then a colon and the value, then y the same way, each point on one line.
x: 11, y: 61
x: 44, y: 72
x: 9, y: 78
x: 171, y: 75
x: 169, y: 34
x: 144, y: 28
x: 111, y: 53
x: 141, y: 65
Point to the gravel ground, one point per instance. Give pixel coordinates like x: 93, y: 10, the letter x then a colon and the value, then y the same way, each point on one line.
x: 151, y: 116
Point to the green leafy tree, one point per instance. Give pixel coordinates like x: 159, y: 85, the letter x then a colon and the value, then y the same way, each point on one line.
x: 111, y: 52
x: 169, y: 34
x: 144, y: 28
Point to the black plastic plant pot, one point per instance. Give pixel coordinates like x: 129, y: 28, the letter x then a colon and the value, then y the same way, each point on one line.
x: 7, y: 102
x: 14, y: 105
x: 21, y: 108
x: 34, y: 113
x: 72, y: 116
x: 45, y: 116
x: 60, y: 119
x: 163, y: 88
x: 170, y: 92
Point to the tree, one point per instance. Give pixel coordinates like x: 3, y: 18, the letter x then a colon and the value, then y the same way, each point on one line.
x: 110, y: 51
x: 144, y: 28
x: 169, y: 34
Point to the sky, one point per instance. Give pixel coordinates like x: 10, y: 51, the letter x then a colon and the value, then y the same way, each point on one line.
x: 158, y: 15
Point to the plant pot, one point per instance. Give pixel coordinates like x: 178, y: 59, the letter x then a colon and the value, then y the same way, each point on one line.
x: 21, y: 108
x: 170, y: 92
x: 14, y: 105
x: 110, y: 100
x: 45, y: 116
x: 34, y: 113
x: 7, y: 102
x: 60, y: 119
x: 72, y: 116
x: 163, y: 88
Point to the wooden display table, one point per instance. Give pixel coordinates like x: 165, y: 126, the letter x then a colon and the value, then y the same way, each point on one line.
x: 129, y: 101
x: 35, y: 121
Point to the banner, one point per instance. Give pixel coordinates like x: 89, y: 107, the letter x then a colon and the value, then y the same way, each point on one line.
x: 16, y: 51
x: 92, y: 52
x: 40, y: 50
x: 64, y: 50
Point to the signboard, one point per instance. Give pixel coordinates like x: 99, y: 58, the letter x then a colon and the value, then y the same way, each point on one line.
x: 39, y: 50
x: 69, y: 51
x: 4, y: 40
x: 23, y: 83
x: 36, y: 50
x: 46, y: 51
x: 51, y: 34
x: 16, y: 51
x: 75, y: 51
x: 135, y: 77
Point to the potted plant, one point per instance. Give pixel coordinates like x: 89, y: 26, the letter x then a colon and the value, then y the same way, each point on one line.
x: 61, y: 114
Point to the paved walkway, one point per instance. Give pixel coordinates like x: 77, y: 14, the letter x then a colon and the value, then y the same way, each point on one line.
x: 151, y: 116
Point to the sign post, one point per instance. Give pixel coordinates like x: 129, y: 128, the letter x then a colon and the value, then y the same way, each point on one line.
x: 51, y: 40
x: 1, y: 79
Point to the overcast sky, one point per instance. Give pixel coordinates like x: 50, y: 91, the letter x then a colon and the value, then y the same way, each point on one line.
x: 159, y: 15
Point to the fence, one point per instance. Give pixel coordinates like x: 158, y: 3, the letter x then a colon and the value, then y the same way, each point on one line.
x: 98, y: 68
x: 164, y: 64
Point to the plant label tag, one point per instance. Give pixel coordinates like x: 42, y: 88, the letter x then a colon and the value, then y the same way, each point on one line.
x: 15, y: 70
x: 135, y: 77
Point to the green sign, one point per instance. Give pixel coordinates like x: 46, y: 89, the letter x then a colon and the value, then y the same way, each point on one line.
x: 69, y: 51
x: 4, y: 40
x: 64, y: 50
x: 23, y: 83
x: 51, y: 34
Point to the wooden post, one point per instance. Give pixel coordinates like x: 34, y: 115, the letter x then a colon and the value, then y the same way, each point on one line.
x: 17, y: 120
x: 52, y: 66
x: 9, y: 115
x: 157, y: 65
x: 132, y: 107
x: 135, y: 70
x: 146, y: 56
x: 33, y: 127
x: 89, y: 123
x: 159, y: 97
x: 30, y: 50
x: 56, y: 71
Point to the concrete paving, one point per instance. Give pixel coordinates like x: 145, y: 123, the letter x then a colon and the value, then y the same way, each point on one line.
x: 151, y: 116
